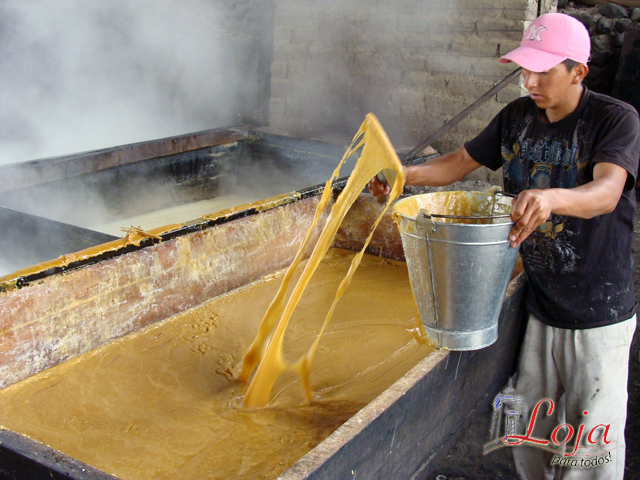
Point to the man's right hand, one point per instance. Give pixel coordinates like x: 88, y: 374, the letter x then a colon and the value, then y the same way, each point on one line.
x: 379, y: 189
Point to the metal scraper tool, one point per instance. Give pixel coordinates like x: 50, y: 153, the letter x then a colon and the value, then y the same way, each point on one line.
x: 386, y: 177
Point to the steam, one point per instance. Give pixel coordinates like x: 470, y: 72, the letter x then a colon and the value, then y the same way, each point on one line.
x: 77, y: 75
x: 6, y: 268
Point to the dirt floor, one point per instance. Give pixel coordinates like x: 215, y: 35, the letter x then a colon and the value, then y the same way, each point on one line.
x: 465, y: 460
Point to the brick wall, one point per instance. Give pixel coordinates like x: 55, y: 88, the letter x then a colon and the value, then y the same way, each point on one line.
x: 414, y: 63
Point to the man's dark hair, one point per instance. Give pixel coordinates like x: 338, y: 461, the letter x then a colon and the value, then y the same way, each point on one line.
x: 570, y: 64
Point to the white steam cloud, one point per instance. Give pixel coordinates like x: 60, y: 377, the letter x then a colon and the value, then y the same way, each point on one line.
x: 77, y: 75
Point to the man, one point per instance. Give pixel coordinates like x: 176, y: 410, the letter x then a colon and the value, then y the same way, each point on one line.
x: 571, y: 157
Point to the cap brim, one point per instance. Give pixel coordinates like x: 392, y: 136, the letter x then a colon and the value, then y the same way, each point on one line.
x: 533, y: 59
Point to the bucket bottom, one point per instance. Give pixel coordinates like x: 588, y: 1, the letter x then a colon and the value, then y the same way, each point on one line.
x: 452, y: 340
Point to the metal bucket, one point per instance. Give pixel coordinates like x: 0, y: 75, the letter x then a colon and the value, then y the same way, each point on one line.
x: 459, y: 271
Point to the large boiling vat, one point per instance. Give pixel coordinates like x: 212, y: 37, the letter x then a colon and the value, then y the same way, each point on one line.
x: 71, y: 305
x: 78, y: 194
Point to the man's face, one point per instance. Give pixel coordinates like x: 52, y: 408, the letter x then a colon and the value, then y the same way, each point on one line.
x: 549, y: 89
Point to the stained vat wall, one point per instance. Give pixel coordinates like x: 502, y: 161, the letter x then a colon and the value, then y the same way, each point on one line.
x: 65, y: 315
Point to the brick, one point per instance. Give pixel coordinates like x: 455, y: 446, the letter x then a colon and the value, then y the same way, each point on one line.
x: 280, y: 88
x: 487, y: 4
x: 475, y: 13
x: 398, y: 52
x: 283, y: 51
x: 301, y: 17
x: 467, y: 65
x: 490, y: 67
x: 295, y: 9
x: 381, y: 23
x: 447, y: 104
x: 409, y: 97
x: 300, y: 67
x: 507, y: 45
x: 315, y: 36
x: 327, y: 49
x: 410, y: 63
x: 510, y: 93
x: 387, y: 113
x: 381, y: 78
x: 465, y: 86
x: 486, y: 112
x: 514, y: 13
x: 415, y: 121
x: 328, y: 18
x: 414, y: 23
x: 306, y: 36
x: 398, y: 7
x: 482, y: 174
x: 423, y: 40
x: 422, y: 81
x: 302, y: 107
x: 418, y: 124
x: 279, y: 70
x: 507, y: 29
x: 277, y: 106
x: 360, y: 23
x: 296, y: 23
x: 475, y: 47
x: 447, y: 64
x: 296, y: 126
x: 283, y: 35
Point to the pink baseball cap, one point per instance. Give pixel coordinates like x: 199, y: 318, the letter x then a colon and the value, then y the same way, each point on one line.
x: 549, y: 40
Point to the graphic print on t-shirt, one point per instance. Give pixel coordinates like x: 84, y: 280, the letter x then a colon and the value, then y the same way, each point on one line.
x: 541, y: 162
x: 580, y: 270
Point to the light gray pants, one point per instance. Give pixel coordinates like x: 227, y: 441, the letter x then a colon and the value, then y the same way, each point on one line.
x: 580, y: 370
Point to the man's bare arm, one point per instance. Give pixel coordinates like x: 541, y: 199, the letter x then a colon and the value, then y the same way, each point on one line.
x: 436, y: 172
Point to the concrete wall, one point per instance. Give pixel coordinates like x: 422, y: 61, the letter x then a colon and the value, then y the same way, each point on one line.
x: 414, y: 63
x: 249, y: 30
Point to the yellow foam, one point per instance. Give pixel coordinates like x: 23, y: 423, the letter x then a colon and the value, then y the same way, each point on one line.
x: 266, y: 350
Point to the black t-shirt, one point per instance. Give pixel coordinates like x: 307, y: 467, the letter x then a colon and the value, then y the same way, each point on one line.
x: 579, y: 270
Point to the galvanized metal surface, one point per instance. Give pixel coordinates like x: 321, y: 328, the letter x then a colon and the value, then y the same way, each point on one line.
x: 459, y: 274
x: 32, y: 239
x: 24, y: 459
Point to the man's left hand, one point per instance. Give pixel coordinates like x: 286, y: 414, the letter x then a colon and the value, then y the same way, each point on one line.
x: 531, y: 208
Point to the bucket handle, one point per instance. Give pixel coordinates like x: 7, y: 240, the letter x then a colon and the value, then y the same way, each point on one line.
x: 421, y: 220
x: 464, y: 217
x: 424, y: 213
x: 503, y: 194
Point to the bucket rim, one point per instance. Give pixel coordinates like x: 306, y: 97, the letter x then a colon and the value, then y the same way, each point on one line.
x: 449, y: 224
x: 433, y: 217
